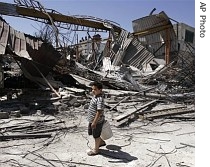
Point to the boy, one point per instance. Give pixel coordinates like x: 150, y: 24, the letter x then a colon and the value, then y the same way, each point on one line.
x: 96, y: 117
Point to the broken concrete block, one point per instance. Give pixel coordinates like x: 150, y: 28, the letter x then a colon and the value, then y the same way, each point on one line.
x: 4, y: 115
x: 15, y: 114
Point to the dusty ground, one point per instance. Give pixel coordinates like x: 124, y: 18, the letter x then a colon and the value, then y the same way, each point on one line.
x: 158, y: 143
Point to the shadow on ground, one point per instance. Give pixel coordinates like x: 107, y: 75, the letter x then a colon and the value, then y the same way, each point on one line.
x: 114, y: 152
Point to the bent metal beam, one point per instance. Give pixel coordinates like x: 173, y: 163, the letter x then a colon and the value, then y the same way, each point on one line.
x: 17, y: 11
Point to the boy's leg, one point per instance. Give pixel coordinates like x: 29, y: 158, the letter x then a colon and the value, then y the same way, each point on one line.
x: 96, y: 149
x: 102, y: 143
x: 98, y: 142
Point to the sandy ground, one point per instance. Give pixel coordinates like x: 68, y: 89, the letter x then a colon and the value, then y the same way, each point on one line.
x: 158, y: 143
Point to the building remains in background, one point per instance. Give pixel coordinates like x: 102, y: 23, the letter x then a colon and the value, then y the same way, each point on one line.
x: 157, y: 56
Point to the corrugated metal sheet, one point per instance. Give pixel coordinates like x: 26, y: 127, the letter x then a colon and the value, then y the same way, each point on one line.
x: 130, y: 52
x: 28, y: 47
x: 161, y: 30
x: 123, y: 35
x: 137, y: 55
x: 148, y: 22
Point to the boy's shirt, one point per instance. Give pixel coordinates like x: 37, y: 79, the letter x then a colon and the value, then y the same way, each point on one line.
x: 96, y: 104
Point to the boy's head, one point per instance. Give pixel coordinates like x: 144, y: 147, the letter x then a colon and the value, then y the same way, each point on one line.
x: 96, y: 88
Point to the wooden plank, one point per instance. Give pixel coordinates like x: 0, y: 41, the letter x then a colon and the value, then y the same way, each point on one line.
x: 121, y: 117
x: 126, y: 98
x: 52, y: 130
x: 189, y: 145
x: 25, y: 136
x: 166, y: 113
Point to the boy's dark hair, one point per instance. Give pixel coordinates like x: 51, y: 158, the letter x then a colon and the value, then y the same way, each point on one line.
x: 97, y: 84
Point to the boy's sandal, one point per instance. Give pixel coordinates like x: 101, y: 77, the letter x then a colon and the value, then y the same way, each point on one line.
x: 92, y: 152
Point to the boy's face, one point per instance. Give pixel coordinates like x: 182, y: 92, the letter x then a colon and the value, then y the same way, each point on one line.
x: 96, y: 91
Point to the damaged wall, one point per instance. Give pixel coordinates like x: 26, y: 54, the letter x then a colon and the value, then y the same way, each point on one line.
x: 35, y: 57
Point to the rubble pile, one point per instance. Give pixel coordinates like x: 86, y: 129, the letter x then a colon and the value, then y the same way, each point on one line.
x: 145, y: 77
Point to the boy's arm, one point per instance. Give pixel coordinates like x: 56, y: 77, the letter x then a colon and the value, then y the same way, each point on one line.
x: 97, y: 116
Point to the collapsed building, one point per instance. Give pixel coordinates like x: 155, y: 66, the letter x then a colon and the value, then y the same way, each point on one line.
x: 156, y: 60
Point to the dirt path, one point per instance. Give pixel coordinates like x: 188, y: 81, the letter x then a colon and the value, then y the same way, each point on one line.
x: 160, y: 142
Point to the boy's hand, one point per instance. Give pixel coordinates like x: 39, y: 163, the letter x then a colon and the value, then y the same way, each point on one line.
x: 93, y: 125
